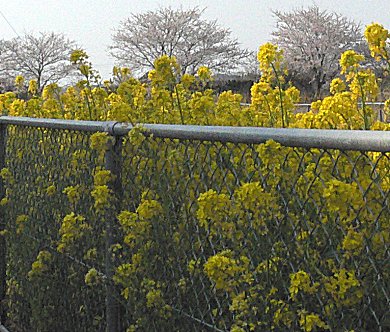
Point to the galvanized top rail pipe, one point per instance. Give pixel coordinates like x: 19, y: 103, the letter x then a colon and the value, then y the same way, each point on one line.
x: 358, y: 140
x: 377, y: 103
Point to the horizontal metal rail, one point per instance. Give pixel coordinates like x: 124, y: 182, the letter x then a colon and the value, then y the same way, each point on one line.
x: 359, y: 140
x: 78, y: 125
x: 376, y: 103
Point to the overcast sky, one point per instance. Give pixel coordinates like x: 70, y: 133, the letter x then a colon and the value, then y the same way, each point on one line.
x: 91, y: 22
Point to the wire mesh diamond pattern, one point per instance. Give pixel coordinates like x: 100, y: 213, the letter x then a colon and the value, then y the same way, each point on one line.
x: 203, y: 235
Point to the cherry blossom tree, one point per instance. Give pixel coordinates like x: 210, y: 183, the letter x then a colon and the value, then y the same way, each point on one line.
x: 194, y: 41
x: 313, y: 41
x: 44, y: 58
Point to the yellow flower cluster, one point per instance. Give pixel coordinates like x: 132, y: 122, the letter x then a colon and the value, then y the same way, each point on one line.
x: 33, y: 87
x: 101, y: 142
x: 301, y: 282
x: 172, y: 97
x: 155, y: 300
x: 92, y: 277
x: 137, y: 225
x: 226, y: 271
x: 101, y: 195
x: 73, y: 193
x: 377, y: 37
x: 41, y: 264
x: 272, y: 102
x: 336, y: 86
x: 309, y: 322
x: 350, y: 60
x: 149, y: 209
x: 270, y: 58
x: 72, y: 228
x: 343, y: 197
x: 214, y: 211
x: 19, y: 81
x: 204, y: 74
x: 21, y: 222
x: 344, y: 287
x: 238, y: 228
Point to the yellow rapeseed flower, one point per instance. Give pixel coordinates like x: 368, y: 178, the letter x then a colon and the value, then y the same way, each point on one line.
x: 33, y: 87
x: 350, y: 60
x: 19, y: 81
x: 377, y: 36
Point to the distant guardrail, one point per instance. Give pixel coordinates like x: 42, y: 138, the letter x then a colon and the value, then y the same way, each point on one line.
x: 305, y: 107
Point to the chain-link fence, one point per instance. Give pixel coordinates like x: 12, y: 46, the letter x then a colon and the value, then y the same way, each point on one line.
x: 193, y: 228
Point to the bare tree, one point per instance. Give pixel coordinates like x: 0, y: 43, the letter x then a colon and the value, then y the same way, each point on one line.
x: 6, y: 81
x: 313, y: 41
x: 44, y: 58
x: 195, y: 42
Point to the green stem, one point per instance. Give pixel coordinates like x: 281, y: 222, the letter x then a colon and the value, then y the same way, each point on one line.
x: 280, y: 94
x: 269, y: 111
x: 365, y: 118
x: 87, y: 98
x: 89, y: 108
x: 387, y: 58
x: 58, y: 96
x: 179, y: 105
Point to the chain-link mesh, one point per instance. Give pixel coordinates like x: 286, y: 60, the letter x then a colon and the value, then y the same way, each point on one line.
x: 238, y: 222
x: 210, y: 236
x: 46, y: 288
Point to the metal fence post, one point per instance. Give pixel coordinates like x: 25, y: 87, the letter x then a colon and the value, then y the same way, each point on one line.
x: 113, y: 163
x: 3, y: 245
